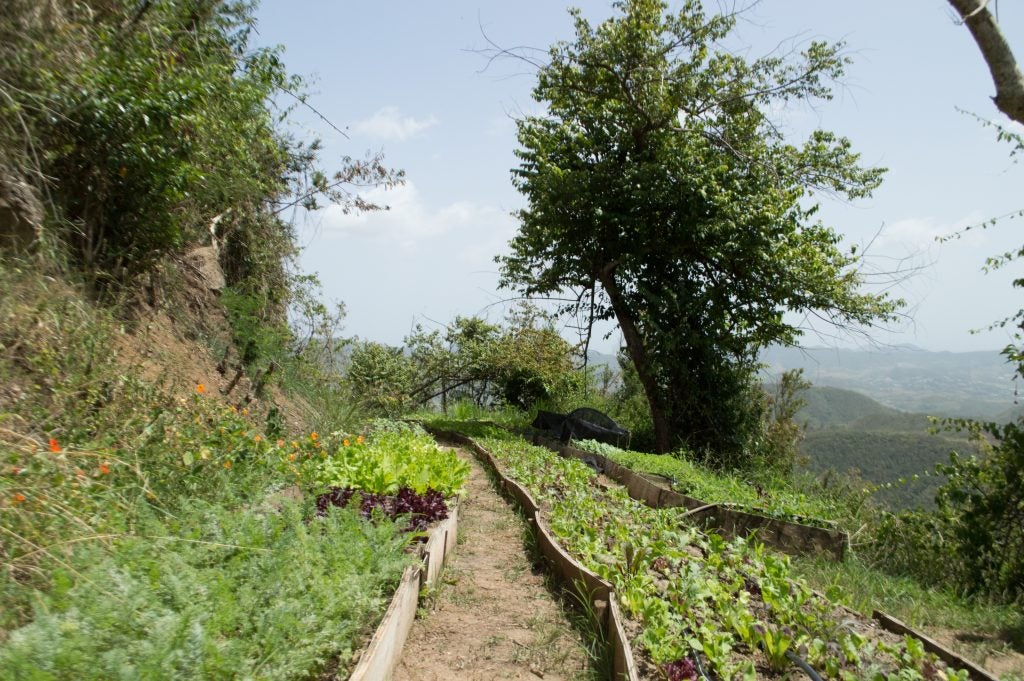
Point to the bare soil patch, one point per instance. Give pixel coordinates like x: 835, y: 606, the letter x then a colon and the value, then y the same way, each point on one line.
x: 493, y: 617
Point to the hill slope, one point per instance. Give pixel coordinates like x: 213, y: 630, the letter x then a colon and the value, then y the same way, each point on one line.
x: 850, y: 432
x: 969, y: 384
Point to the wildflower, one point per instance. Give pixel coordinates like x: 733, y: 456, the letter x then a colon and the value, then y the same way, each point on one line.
x: 245, y: 412
x: 227, y: 464
x: 18, y: 498
x: 280, y: 443
x: 258, y: 438
x: 295, y: 444
x: 291, y: 457
x: 360, y: 440
x: 104, y: 468
x: 346, y: 442
x: 313, y: 436
x: 200, y: 388
x: 54, y: 445
x: 234, y: 409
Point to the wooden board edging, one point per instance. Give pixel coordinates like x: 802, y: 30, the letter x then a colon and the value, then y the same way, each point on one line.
x: 440, y: 542
x: 623, y: 663
x: 381, y: 655
x: 568, y: 568
x: 379, y: 659
x: 976, y: 672
x: 784, y: 535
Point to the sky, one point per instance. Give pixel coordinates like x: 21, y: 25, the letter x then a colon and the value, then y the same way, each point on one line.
x: 411, y: 79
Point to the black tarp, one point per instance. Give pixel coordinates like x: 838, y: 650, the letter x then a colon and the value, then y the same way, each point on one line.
x: 582, y: 424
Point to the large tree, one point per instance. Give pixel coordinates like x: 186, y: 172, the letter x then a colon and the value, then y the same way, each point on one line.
x: 661, y: 193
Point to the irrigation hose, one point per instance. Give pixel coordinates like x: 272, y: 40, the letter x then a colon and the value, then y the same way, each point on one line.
x: 700, y: 667
x: 800, y: 662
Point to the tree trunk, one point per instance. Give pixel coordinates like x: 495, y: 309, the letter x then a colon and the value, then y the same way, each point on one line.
x: 638, y: 353
x: 1007, y: 76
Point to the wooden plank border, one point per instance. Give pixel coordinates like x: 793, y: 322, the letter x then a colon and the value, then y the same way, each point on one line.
x: 976, y: 672
x: 378, y: 661
x: 729, y: 521
x: 606, y: 612
x: 380, y: 657
x: 623, y: 663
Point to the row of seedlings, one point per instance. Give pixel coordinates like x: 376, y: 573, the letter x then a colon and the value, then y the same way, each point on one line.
x: 696, y: 605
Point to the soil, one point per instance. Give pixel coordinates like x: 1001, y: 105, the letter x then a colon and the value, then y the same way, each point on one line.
x: 994, y: 653
x: 493, y: 616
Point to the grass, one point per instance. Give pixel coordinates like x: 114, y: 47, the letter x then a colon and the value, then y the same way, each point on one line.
x: 984, y: 629
x: 770, y: 496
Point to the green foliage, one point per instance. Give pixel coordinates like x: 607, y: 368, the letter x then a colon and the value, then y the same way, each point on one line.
x: 691, y: 593
x: 389, y: 461
x: 900, y: 464
x: 520, y: 364
x: 768, y: 495
x: 994, y: 629
x: 153, y: 122
x: 777, y: 447
x: 381, y: 378
x: 984, y: 501
x: 149, y: 533
x: 656, y: 180
x: 213, y: 594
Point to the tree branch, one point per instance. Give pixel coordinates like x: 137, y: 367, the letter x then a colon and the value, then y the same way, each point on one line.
x: 1006, y: 74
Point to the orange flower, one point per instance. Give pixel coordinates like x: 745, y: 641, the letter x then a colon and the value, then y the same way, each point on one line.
x: 245, y: 412
x: 104, y: 468
x: 360, y: 440
x: 280, y: 443
x: 18, y: 498
x: 227, y: 464
x: 54, y: 445
x: 291, y: 457
x: 346, y: 442
x: 313, y: 436
x: 258, y: 438
x: 200, y: 388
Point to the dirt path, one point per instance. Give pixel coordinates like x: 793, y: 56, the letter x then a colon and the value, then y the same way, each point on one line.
x: 493, y: 618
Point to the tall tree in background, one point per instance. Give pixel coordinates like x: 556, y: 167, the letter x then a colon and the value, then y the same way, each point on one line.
x: 658, y: 187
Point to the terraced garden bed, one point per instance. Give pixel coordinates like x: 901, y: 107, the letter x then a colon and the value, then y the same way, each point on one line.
x: 694, y: 601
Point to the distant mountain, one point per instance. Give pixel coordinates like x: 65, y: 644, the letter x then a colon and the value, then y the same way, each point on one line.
x: 848, y: 432
x: 967, y: 384
x: 595, y: 359
x: 826, y: 407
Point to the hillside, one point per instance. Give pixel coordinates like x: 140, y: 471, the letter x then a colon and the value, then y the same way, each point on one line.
x: 968, y: 384
x: 829, y: 407
x: 850, y: 432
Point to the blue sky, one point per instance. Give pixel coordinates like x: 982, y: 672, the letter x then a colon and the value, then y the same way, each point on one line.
x: 407, y: 78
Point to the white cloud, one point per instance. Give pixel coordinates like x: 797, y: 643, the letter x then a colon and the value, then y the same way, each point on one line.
x: 919, y: 234
x: 389, y: 124
x: 410, y: 221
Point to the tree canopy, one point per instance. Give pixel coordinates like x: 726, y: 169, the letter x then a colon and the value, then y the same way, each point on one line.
x: 661, y: 193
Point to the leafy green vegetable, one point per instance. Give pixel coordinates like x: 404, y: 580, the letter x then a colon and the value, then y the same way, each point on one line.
x: 389, y: 461
x: 695, y: 594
